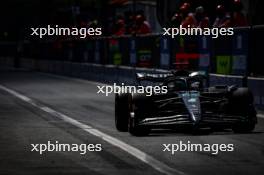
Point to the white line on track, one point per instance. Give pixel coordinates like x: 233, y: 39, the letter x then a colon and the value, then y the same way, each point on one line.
x: 79, y: 80
x: 154, y: 163
x: 260, y: 115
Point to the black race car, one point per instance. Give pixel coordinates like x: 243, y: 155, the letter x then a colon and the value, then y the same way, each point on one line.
x: 189, y: 102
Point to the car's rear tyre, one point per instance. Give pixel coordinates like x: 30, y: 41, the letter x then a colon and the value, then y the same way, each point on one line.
x: 249, y: 125
x: 244, y: 127
x: 242, y: 96
x: 122, y: 112
x: 242, y: 99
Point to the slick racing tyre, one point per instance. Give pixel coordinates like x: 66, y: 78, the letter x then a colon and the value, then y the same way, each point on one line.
x: 249, y: 125
x: 242, y: 96
x: 122, y: 111
x: 242, y: 100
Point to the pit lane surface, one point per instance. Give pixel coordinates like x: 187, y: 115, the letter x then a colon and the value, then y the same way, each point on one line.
x: 22, y: 124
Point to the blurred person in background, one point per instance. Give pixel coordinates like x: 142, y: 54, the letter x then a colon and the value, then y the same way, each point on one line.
x: 188, y: 18
x: 142, y: 26
x: 176, y: 20
x: 201, y: 20
x: 223, y: 18
x: 119, y: 27
x: 129, y: 22
x: 238, y: 17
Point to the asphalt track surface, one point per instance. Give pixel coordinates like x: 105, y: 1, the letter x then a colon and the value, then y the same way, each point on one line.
x: 37, y: 108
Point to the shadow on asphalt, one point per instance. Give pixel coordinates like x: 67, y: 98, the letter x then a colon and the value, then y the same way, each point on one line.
x: 200, y: 132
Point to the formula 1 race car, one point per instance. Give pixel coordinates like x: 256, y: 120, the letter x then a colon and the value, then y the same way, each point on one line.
x: 189, y: 102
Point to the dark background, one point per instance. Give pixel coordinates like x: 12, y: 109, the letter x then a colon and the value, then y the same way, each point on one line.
x: 16, y: 16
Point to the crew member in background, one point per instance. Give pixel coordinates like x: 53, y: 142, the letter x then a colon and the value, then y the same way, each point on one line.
x: 223, y: 18
x: 187, y: 16
x: 142, y: 26
x: 201, y: 20
x: 238, y: 18
x: 176, y: 20
x: 119, y: 28
x: 129, y: 22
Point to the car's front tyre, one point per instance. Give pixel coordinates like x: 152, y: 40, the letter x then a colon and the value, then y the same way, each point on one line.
x: 133, y: 125
x: 122, y: 112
